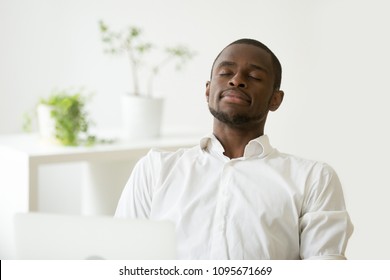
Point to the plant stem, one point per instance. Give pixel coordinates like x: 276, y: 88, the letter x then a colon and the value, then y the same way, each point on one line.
x: 134, y: 66
x: 153, y: 74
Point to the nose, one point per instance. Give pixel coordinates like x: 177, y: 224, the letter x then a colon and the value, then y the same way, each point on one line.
x: 237, y: 81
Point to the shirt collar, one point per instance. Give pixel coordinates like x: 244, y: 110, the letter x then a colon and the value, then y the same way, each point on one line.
x: 258, y: 147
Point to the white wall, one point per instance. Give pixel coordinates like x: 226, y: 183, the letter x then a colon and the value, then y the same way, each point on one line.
x: 335, y: 58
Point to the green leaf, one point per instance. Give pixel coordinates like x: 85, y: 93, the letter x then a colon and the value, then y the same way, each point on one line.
x: 70, y: 115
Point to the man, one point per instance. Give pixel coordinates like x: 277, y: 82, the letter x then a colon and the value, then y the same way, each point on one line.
x: 234, y: 196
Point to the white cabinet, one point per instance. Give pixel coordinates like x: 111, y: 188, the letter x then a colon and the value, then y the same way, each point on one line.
x: 22, y: 155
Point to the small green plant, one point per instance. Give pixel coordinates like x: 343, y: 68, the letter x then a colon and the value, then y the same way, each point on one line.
x: 129, y: 41
x: 71, y: 118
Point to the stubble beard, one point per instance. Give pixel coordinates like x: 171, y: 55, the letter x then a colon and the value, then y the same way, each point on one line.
x: 234, y: 120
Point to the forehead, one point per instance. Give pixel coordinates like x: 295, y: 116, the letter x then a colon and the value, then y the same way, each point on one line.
x: 244, y: 54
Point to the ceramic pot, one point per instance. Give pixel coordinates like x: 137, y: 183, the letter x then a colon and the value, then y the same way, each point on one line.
x: 141, y: 117
x: 46, y: 124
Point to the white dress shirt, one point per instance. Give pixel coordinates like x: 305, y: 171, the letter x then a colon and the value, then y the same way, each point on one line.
x: 264, y: 205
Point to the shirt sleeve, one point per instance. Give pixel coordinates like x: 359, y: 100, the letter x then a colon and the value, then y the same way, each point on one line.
x: 325, y: 225
x: 136, y: 197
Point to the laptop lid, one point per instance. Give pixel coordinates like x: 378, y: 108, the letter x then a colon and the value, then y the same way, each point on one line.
x: 71, y: 237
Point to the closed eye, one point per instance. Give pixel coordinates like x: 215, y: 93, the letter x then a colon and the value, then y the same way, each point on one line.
x: 223, y: 73
x: 255, y: 77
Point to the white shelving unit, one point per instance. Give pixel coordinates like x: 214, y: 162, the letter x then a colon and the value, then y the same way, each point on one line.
x: 21, y: 155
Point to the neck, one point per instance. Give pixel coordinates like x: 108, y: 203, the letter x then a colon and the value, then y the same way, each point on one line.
x: 235, y: 139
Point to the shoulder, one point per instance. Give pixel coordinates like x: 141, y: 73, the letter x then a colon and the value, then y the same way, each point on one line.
x: 322, y: 186
x: 302, y: 164
x: 158, y: 158
x: 167, y: 156
x: 314, y: 178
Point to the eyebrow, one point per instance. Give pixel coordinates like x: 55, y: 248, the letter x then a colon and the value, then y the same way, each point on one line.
x: 231, y: 63
x: 226, y: 63
x: 260, y: 68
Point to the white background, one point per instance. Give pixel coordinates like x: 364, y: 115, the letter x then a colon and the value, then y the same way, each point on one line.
x: 335, y: 58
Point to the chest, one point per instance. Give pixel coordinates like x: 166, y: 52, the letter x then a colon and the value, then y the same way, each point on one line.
x: 235, y: 189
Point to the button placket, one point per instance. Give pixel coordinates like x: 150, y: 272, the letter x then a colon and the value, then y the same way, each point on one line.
x: 219, y: 242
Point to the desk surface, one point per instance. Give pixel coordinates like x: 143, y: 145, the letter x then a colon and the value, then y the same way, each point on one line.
x: 31, y: 146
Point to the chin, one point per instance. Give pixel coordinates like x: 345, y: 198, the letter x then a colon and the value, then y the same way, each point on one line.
x: 231, y: 119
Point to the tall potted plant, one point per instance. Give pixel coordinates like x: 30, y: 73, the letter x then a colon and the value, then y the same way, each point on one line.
x: 141, y: 110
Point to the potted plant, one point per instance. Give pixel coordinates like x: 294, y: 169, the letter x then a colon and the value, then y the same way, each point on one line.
x: 63, y: 119
x: 141, y: 110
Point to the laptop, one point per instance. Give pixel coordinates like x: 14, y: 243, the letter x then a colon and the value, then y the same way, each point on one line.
x: 70, y: 237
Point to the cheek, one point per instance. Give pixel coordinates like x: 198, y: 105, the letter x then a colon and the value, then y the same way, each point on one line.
x: 261, y: 105
x: 211, y: 94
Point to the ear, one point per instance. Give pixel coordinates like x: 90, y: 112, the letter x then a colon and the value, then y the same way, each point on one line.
x: 207, y: 90
x: 276, y: 100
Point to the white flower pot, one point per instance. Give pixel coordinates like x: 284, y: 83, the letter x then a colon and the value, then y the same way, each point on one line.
x: 141, y: 117
x: 46, y: 124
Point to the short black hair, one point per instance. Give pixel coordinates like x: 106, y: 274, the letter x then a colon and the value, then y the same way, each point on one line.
x: 277, y: 67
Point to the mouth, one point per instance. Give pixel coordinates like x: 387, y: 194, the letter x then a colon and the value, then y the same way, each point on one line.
x: 235, y: 96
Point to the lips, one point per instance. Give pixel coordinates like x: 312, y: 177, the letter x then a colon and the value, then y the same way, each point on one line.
x: 235, y: 96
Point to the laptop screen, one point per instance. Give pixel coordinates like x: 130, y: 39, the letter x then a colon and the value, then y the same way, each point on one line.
x: 72, y: 237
